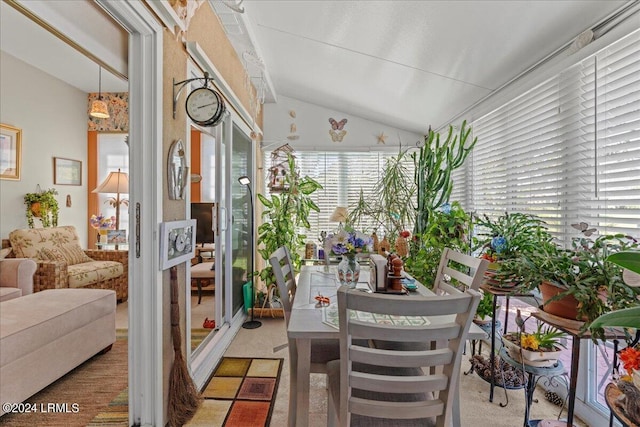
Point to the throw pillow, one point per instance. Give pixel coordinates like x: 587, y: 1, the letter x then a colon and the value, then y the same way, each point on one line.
x: 4, y: 252
x: 71, y: 254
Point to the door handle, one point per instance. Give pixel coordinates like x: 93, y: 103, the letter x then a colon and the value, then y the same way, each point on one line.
x: 223, y: 218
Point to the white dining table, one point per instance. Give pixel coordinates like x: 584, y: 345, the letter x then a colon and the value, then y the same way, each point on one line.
x: 306, y: 324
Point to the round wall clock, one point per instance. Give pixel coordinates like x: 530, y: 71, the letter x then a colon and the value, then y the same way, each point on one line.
x: 205, y: 106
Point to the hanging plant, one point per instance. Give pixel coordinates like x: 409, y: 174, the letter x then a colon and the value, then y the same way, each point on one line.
x: 42, y: 204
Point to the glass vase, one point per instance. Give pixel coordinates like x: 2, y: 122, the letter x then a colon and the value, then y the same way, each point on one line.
x: 349, y: 270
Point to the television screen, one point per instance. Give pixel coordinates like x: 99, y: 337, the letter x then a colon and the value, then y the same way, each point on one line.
x: 203, y: 214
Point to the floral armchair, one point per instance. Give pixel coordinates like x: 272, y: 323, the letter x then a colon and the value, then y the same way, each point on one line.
x: 62, y: 263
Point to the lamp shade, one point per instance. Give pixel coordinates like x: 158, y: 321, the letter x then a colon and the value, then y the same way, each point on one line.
x: 340, y: 214
x: 116, y: 182
x: 99, y: 109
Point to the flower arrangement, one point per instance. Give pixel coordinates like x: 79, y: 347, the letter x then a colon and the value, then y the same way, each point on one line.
x: 101, y: 222
x: 350, y: 242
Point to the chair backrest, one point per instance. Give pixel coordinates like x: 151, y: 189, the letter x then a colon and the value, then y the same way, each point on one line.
x: 384, y: 379
x: 451, y: 280
x: 284, y: 272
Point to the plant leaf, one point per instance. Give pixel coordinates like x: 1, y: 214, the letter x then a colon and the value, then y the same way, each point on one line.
x: 626, y: 259
x: 623, y: 318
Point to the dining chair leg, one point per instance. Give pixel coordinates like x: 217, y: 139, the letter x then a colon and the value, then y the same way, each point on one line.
x: 332, y: 413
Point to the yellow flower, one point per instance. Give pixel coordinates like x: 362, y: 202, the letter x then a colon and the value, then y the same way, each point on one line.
x: 529, y: 341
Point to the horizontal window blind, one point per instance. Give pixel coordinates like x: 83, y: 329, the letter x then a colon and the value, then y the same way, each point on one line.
x: 567, y: 151
x: 343, y: 175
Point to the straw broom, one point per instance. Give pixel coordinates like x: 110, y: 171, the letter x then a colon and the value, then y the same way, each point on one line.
x: 184, y: 398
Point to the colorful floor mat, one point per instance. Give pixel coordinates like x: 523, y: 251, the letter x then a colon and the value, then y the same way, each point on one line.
x: 240, y: 393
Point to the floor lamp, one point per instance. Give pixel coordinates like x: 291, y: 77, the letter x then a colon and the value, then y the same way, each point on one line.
x: 251, y: 324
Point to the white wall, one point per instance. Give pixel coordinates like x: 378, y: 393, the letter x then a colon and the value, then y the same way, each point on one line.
x: 312, y: 123
x: 53, y: 119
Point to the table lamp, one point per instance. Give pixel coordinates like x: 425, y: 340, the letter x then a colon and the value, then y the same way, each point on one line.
x: 116, y: 182
x: 340, y: 215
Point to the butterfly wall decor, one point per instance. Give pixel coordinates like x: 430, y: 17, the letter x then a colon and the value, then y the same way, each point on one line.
x: 337, y: 132
x: 584, y: 228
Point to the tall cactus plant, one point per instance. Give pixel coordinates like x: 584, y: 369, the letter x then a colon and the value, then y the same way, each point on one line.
x: 433, y: 167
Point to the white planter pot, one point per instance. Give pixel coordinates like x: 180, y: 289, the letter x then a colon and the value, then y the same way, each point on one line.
x: 533, y: 358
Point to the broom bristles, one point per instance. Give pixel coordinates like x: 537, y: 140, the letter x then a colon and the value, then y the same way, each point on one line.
x: 184, y: 399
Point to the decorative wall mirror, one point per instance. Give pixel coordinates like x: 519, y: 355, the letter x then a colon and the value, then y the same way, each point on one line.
x: 177, y: 171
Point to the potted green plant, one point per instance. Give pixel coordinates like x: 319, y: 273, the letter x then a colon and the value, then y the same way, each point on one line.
x: 485, y: 309
x: 448, y: 228
x: 284, y: 215
x: 508, y: 235
x: 541, y: 347
x: 576, y: 283
x: 625, y: 317
x: 42, y: 204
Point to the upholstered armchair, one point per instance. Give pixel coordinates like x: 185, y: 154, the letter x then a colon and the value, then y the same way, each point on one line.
x: 62, y: 263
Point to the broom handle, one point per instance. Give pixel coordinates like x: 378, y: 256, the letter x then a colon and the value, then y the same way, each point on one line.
x: 175, y: 311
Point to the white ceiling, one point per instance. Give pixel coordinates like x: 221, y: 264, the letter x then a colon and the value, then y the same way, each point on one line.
x: 408, y: 64
x: 83, y: 22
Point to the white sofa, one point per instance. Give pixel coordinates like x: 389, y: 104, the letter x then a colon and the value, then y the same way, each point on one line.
x: 16, y: 277
x: 46, y: 334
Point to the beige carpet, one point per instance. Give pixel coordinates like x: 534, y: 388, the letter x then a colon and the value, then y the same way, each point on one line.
x: 91, y: 386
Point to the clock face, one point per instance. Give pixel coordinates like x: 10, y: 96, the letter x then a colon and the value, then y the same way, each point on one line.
x: 204, y: 106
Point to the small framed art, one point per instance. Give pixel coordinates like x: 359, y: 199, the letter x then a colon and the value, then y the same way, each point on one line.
x: 10, y: 152
x: 177, y: 242
x: 117, y: 236
x: 67, y: 171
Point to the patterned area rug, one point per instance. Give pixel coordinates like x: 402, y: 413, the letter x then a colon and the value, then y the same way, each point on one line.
x: 240, y: 393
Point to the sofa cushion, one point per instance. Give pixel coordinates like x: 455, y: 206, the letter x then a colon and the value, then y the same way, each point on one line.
x: 7, y: 293
x: 4, y: 252
x: 30, y: 322
x: 28, y: 242
x: 92, y: 272
x: 70, y: 253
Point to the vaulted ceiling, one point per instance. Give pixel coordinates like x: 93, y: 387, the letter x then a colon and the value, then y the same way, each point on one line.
x: 409, y: 64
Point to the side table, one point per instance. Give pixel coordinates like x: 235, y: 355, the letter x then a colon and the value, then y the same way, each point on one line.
x: 533, y: 376
x: 573, y: 328
x: 498, y: 292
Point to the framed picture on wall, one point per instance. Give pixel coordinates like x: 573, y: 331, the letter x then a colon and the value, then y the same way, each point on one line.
x: 177, y: 242
x: 10, y: 152
x: 67, y: 171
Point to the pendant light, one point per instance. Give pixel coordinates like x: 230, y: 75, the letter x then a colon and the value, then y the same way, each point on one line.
x: 99, y: 107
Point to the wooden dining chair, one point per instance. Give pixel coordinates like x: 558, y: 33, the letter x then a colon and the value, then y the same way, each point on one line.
x: 458, y: 272
x: 322, y: 351
x: 380, y: 387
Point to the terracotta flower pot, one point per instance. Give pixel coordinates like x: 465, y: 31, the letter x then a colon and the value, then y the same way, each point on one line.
x: 35, y: 209
x: 566, y: 307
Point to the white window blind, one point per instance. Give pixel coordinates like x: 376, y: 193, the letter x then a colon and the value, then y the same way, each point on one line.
x: 342, y: 176
x: 567, y: 150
